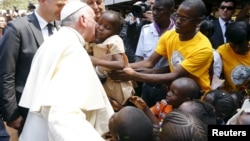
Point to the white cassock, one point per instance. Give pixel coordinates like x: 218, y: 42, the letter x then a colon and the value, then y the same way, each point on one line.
x: 65, y: 98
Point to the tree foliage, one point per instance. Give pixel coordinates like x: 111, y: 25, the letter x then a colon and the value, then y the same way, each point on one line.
x: 19, y: 4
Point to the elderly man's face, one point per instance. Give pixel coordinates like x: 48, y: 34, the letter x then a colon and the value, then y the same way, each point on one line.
x: 97, y: 5
x: 90, y: 26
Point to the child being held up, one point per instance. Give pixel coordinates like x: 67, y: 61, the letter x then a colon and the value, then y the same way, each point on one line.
x: 108, y: 43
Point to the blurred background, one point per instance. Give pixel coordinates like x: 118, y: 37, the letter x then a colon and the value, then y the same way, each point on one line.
x: 123, y: 6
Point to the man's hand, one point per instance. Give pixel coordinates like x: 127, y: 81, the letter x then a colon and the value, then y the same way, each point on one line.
x: 145, y: 70
x: 129, y: 71
x: 120, y: 76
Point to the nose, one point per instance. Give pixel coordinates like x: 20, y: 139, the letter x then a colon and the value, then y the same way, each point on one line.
x: 168, y: 94
x: 101, y: 27
x: 95, y: 6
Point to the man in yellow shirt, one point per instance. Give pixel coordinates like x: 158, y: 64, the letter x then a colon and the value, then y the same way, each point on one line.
x: 189, y: 52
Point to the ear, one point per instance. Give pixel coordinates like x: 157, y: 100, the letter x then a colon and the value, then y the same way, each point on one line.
x: 82, y: 21
x: 198, y: 21
x: 42, y: 1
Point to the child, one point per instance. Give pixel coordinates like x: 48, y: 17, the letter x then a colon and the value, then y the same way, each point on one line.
x: 203, y: 110
x: 223, y: 103
x: 130, y: 124
x: 181, y: 90
x: 181, y: 126
x: 110, y: 46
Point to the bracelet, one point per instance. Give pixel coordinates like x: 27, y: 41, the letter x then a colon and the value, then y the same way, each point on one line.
x: 99, y: 73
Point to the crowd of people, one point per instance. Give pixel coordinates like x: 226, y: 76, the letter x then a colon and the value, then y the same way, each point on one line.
x: 74, y: 70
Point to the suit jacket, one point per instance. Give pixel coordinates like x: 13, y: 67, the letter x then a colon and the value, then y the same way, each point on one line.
x: 21, y: 40
x: 217, y: 38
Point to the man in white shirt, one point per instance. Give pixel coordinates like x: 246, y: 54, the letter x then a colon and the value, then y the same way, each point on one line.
x: 150, y: 34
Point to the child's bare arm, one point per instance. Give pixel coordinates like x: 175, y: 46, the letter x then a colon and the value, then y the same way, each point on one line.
x: 141, y: 104
x: 116, y: 62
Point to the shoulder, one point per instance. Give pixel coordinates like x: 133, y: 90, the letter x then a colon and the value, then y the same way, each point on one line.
x: 22, y: 19
x: 222, y: 47
x: 146, y: 26
x: 170, y: 33
x: 20, y: 22
x: 215, y: 21
x: 114, y: 40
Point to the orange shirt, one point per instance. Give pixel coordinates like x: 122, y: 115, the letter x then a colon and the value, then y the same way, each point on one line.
x: 161, y: 109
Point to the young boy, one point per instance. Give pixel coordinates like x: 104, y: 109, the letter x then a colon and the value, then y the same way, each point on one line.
x: 181, y: 90
x: 130, y: 124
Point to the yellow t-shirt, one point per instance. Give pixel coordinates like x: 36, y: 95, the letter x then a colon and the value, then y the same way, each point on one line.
x: 236, y: 68
x: 195, y: 55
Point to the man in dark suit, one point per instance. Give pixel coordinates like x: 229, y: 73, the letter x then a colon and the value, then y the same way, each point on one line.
x: 18, y: 45
x: 226, y: 10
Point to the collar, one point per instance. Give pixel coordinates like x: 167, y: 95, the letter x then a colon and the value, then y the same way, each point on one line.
x: 222, y: 22
x: 81, y: 39
x: 170, y: 26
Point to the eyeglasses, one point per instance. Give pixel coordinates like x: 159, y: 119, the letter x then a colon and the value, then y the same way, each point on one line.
x: 175, y: 16
x: 226, y: 7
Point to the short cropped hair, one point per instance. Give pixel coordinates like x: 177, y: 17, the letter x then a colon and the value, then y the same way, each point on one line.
x: 134, y: 125
x: 118, y: 18
x: 198, y: 5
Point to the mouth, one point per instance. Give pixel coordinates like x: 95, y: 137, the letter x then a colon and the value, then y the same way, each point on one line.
x: 97, y: 12
x: 167, y: 96
x: 167, y: 100
x: 177, y: 27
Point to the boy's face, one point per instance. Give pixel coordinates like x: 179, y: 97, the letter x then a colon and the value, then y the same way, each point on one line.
x: 176, y: 95
x: 105, y: 27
